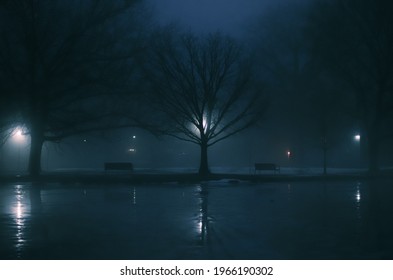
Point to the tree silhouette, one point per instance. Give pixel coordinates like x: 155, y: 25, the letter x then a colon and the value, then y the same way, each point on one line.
x: 203, y: 87
x: 61, y: 65
x: 284, y: 54
x: 354, y: 42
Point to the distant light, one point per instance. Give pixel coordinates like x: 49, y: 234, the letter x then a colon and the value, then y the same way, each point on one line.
x: 289, y: 154
x: 133, y: 137
x: 357, y: 137
x: 18, y: 135
x: 84, y: 140
x: 132, y: 150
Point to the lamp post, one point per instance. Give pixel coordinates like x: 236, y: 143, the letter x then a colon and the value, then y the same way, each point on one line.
x: 357, y: 139
x: 132, y: 149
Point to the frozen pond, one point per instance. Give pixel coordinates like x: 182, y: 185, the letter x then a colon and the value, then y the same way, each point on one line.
x: 215, y: 220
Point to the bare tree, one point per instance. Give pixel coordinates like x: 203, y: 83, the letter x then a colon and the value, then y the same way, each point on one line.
x: 204, y: 89
x: 61, y: 65
x: 354, y: 42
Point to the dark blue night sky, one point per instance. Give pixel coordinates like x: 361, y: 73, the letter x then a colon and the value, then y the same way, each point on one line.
x: 211, y: 15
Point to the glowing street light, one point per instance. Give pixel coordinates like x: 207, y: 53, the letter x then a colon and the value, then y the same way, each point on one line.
x: 289, y: 154
x: 17, y: 135
x: 358, y: 148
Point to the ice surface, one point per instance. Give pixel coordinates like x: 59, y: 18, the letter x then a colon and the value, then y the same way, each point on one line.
x: 211, y: 220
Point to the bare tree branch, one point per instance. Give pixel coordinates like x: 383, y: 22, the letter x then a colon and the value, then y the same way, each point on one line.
x: 203, y: 87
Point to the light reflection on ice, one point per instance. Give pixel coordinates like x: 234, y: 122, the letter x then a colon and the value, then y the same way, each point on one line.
x: 134, y: 196
x: 194, y: 221
x: 202, y: 218
x: 19, y: 211
x: 199, y: 217
x: 199, y: 225
x: 358, y: 195
x: 19, y: 218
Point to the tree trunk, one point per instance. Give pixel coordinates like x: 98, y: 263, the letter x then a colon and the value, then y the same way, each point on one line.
x: 35, y: 154
x: 204, y: 166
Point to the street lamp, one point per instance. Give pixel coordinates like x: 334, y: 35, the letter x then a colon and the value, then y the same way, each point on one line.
x: 358, y: 144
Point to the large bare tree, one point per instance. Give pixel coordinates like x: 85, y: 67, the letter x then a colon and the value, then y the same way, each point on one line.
x: 204, y: 87
x: 61, y: 65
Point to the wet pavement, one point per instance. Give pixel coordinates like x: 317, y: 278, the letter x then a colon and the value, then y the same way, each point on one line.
x: 212, y: 220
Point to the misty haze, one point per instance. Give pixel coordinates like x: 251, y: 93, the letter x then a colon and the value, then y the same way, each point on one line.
x: 150, y: 129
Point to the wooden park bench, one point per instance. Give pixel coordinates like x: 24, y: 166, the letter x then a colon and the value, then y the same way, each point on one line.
x: 126, y: 166
x: 267, y: 166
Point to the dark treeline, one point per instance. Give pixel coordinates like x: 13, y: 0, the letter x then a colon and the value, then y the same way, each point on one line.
x: 73, y: 67
x: 329, y: 68
x: 65, y: 66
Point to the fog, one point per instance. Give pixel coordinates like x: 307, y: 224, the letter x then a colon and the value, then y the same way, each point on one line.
x: 305, y: 124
